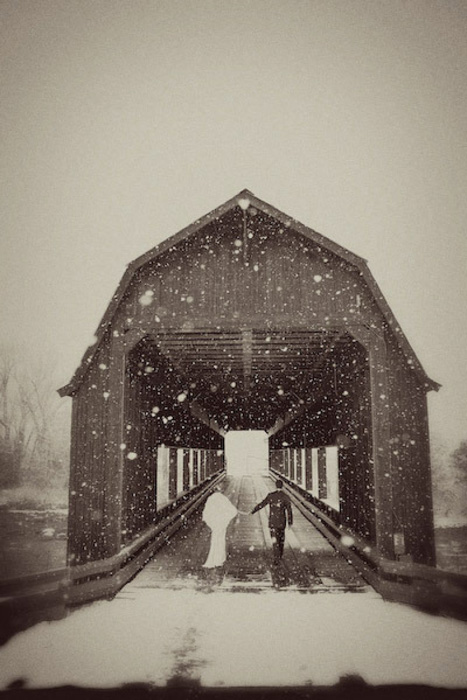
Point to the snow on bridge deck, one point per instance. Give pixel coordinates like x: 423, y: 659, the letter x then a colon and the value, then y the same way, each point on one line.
x: 171, y: 623
x: 310, y: 563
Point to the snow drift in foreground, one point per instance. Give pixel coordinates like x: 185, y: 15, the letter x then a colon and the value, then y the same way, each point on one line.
x: 269, y: 638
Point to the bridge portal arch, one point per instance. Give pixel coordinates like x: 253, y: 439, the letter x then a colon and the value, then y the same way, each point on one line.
x: 248, y: 320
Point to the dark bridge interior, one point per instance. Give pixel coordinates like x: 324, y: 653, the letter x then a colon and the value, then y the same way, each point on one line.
x: 248, y: 379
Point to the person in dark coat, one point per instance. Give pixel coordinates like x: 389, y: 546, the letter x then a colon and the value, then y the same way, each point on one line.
x: 280, y: 513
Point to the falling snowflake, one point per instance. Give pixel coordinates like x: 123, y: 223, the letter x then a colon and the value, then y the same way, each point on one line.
x: 347, y: 541
x: 147, y: 298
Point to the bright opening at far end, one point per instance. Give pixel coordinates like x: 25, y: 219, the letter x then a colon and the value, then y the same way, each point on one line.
x: 246, y: 452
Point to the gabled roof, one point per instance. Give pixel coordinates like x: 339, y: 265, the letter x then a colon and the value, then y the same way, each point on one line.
x: 244, y: 199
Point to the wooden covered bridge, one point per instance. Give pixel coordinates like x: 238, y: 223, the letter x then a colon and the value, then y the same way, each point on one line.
x: 248, y: 320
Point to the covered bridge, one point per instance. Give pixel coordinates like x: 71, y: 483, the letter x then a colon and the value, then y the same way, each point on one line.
x: 247, y: 319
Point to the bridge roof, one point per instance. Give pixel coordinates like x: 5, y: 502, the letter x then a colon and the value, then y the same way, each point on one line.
x: 245, y: 199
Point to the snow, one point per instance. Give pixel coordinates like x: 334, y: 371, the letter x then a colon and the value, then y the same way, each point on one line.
x: 446, y: 521
x: 225, y: 638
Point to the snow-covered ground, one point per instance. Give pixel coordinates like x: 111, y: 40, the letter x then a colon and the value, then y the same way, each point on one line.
x: 226, y: 638
x: 449, y: 521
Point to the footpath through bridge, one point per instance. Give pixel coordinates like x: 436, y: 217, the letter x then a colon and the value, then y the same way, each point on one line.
x: 310, y: 563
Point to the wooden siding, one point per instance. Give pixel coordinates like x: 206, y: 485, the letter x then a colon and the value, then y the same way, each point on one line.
x: 140, y: 457
x: 88, y: 446
x: 410, y: 458
x: 288, y: 280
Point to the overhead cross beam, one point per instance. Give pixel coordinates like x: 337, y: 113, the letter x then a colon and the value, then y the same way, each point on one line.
x: 265, y: 366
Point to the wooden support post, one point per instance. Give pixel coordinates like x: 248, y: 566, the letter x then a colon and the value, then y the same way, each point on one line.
x: 180, y: 469
x: 381, y: 453
x: 299, y: 474
x: 186, y: 470
x: 202, y: 465
x: 322, y: 481
x: 381, y: 458
x: 314, y: 469
x: 114, y: 455
x: 308, y: 470
x: 162, y: 476
x: 173, y: 468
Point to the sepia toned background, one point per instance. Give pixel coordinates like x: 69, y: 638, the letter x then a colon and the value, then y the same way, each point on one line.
x: 122, y: 122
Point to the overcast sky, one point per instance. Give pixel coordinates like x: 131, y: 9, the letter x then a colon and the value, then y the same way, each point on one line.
x: 124, y: 121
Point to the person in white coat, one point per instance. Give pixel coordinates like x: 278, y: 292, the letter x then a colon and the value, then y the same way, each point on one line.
x: 217, y: 514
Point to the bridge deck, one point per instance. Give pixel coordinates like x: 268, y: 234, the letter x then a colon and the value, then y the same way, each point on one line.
x: 310, y: 563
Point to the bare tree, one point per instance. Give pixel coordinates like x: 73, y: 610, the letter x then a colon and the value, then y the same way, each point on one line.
x: 449, y: 469
x: 459, y: 467
x: 33, y: 423
x: 13, y: 420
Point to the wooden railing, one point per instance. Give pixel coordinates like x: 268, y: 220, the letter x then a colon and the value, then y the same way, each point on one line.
x: 105, y: 577
x: 47, y: 595
x: 427, y: 587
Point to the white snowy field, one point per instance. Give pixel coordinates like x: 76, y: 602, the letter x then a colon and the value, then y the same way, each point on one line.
x: 229, y: 639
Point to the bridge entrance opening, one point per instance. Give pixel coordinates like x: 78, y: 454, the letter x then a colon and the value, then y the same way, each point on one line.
x: 246, y: 452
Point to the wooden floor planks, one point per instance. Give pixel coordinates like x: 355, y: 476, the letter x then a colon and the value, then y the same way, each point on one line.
x: 310, y: 563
